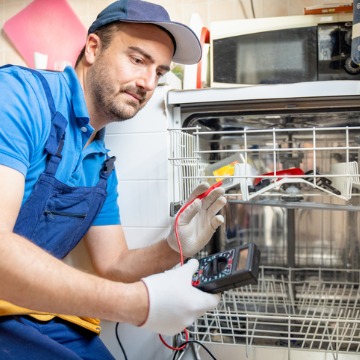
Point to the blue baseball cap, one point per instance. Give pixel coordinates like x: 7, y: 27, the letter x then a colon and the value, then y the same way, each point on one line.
x: 187, y: 44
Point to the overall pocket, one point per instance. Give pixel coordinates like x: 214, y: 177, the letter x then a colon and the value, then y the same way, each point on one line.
x: 61, y: 223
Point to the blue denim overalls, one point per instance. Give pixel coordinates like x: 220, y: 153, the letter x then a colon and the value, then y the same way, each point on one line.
x: 55, y: 217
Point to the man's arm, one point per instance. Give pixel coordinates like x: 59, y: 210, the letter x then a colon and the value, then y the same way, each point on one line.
x: 112, y: 259
x: 32, y: 278
x: 197, y: 221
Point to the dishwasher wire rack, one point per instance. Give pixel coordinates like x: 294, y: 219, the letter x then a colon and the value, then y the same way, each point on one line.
x: 334, y: 149
x: 303, y: 309
x: 313, y: 304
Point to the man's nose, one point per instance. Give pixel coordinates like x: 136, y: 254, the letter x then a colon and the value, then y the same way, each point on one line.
x: 148, y: 80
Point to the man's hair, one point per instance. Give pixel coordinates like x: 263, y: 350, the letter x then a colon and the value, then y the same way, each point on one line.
x: 105, y: 34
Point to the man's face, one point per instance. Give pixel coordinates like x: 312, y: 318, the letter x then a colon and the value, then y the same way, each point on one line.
x: 123, y: 77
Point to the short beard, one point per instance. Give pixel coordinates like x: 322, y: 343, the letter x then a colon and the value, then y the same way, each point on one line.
x: 104, y: 96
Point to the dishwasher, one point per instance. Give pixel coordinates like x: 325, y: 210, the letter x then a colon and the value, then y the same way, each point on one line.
x: 289, y: 156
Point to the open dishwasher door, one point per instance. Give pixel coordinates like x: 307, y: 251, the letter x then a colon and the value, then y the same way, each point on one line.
x: 290, y: 155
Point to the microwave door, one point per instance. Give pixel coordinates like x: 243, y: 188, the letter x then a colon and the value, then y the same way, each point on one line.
x: 280, y: 56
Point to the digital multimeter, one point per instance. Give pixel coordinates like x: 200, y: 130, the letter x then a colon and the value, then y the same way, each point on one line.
x: 229, y: 269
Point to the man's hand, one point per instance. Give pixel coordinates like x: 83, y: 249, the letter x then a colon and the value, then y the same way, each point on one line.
x: 174, y: 303
x: 198, y: 221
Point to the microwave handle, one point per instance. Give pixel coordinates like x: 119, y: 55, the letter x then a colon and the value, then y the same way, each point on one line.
x: 355, y: 41
x: 204, y: 39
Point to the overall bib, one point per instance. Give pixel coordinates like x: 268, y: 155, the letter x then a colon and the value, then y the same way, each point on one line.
x: 55, y: 217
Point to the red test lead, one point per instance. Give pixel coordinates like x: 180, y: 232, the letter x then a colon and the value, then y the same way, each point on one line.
x: 208, y: 191
x: 201, y: 196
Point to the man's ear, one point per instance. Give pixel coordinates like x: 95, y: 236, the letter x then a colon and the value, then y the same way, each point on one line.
x: 92, y: 48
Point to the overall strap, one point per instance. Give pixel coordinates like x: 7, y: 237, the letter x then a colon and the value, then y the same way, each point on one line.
x: 108, y: 167
x: 55, y: 141
x: 56, y: 138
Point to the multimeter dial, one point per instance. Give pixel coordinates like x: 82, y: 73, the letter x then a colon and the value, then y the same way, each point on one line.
x: 228, y: 269
x: 216, y: 266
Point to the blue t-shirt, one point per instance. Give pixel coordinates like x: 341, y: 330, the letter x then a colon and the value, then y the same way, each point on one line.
x: 25, y: 124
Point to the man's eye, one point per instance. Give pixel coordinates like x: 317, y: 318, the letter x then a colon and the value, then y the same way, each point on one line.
x: 137, y: 60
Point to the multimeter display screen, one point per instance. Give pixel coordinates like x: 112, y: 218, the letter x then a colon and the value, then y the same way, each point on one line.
x: 243, y: 255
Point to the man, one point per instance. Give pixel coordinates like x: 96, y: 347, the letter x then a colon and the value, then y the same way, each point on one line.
x: 57, y: 186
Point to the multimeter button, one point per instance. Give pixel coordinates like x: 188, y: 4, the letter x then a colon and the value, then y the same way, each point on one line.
x: 196, y: 283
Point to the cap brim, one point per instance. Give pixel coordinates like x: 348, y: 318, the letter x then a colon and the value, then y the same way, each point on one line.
x: 188, y: 48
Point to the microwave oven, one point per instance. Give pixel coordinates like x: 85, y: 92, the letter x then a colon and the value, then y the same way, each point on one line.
x: 285, y: 49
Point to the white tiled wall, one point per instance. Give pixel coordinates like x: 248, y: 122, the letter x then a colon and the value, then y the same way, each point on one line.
x: 140, y: 145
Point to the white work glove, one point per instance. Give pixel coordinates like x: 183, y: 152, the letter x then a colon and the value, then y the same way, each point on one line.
x: 198, y: 222
x: 174, y: 303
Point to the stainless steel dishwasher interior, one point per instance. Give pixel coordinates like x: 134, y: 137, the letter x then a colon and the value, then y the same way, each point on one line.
x: 305, y: 223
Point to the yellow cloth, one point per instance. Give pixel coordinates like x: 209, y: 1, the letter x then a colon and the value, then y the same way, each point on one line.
x: 7, y: 308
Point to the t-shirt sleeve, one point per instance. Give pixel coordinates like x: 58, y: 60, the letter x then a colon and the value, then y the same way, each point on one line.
x: 21, y: 125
